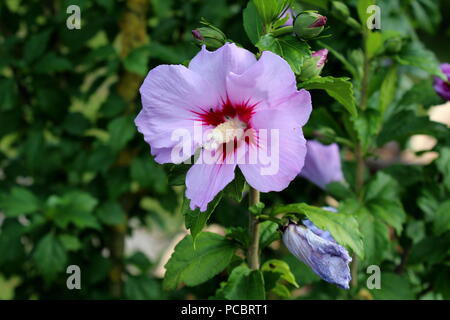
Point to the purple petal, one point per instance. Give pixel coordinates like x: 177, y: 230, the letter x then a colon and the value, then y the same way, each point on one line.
x: 214, y: 66
x: 322, y: 164
x: 206, y: 178
x: 266, y: 83
x: 281, y: 146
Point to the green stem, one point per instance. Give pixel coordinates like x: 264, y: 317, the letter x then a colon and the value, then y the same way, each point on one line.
x: 253, y: 230
x: 359, y: 154
x: 282, y: 31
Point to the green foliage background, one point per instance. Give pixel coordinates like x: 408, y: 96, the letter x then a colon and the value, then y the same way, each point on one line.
x: 76, y: 178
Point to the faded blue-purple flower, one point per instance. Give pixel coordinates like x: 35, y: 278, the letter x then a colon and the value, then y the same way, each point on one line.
x: 322, y: 164
x: 326, y: 258
x: 321, y: 233
x: 443, y: 87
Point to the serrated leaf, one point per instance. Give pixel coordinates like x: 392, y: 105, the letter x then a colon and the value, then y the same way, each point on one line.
x: 343, y: 227
x: 376, y: 238
x: 195, y: 220
x: 279, y: 266
x: 416, y: 55
x: 74, y: 207
x: 19, y: 201
x: 245, y: 284
x: 442, y: 218
x: 235, y: 189
x: 288, y: 47
x: 443, y: 165
x: 192, y: 266
x: 341, y: 89
x: 50, y: 256
x: 121, y: 130
x: 137, y: 60
x: 253, y: 24
x: 70, y: 242
x: 149, y: 175
x: 111, y: 213
x: 388, y: 89
x: 268, y: 233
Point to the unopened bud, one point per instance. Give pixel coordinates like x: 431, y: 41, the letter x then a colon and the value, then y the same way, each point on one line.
x: 309, y: 24
x: 210, y: 36
x: 313, y: 65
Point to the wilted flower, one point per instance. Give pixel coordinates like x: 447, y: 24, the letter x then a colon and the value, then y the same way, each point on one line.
x: 325, y: 257
x: 322, y: 164
x: 313, y: 65
x: 309, y: 24
x: 321, y: 233
x: 236, y: 99
x: 443, y: 87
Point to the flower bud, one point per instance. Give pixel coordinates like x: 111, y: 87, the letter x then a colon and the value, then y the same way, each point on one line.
x: 322, y: 164
x: 210, y: 36
x: 313, y: 65
x: 325, y: 257
x: 309, y: 24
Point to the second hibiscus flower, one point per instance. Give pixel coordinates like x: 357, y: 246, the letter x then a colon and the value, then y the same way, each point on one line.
x: 247, y: 110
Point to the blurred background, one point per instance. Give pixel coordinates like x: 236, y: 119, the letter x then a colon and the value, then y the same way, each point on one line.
x: 77, y: 183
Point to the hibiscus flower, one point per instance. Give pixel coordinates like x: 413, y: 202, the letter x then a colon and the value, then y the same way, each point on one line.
x: 249, y: 111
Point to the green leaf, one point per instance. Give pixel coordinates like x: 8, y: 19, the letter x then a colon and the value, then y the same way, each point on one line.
x: 11, y: 247
x: 51, y: 63
x: 142, y: 287
x: 442, y: 218
x: 430, y: 250
x: 388, y: 89
x: 343, y: 227
x: 268, y: 233
x: 50, y: 256
x: 19, y: 201
x: 288, y: 47
x: 382, y: 186
x: 416, y: 55
x: 391, y: 212
x: 8, y: 94
x: 73, y: 207
x: 195, y: 220
x: 121, y: 131
x: 341, y: 89
x: 376, y: 238
x: 374, y: 43
x: 269, y: 10
x: 422, y: 93
x: 281, y: 267
x: 177, y: 174
x: 404, y: 124
x: 192, y: 266
x: 35, y: 46
x: 393, y: 287
x: 443, y: 165
x: 149, y: 174
x: 245, y: 284
x: 70, y: 242
x: 362, y: 6
x: 137, y: 60
x: 253, y: 24
x: 235, y: 189
x: 111, y: 213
